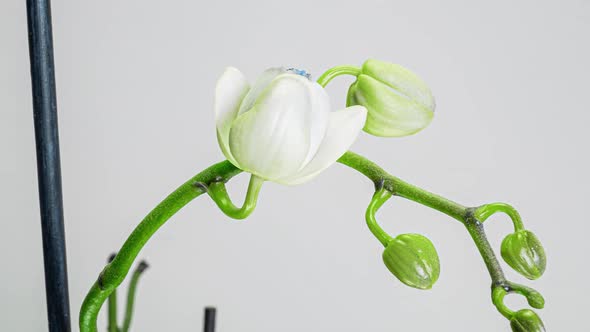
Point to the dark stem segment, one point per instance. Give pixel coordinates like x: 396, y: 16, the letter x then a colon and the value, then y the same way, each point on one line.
x: 209, y: 320
x: 477, y: 232
x: 48, y: 164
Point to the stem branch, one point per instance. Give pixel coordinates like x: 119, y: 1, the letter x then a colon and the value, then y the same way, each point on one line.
x: 395, y: 186
x: 112, y: 305
x: 331, y: 73
x: 113, y: 325
x: 131, y: 295
x: 379, y: 198
x: 485, y: 211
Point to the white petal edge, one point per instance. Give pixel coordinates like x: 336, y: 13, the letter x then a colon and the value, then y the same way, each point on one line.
x: 231, y: 88
x: 318, y: 118
x: 343, y: 129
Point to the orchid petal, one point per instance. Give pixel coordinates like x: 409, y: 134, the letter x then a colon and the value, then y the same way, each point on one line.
x: 343, y: 129
x: 318, y: 118
x: 258, y: 88
x: 392, y: 114
x: 270, y: 140
x: 400, y: 79
x: 231, y: 88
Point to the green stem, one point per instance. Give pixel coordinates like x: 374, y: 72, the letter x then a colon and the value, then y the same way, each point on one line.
x: 381, y: 196
x: 131, y: 295
x: 534, y: 298
x: 114, y: 273
x: 112, y: 306
x: 337, y: 71
x: 485, y: 211
x: 218, y: 193
x: 397, y: 187
x: 113, y: 327
x: 470, y: 217
x: 498, y: 294
x: 384, y: 180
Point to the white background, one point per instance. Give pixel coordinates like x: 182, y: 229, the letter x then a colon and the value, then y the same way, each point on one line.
x: 135, y: 93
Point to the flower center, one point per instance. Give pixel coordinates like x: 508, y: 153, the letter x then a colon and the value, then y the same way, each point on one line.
x: 300, y: 72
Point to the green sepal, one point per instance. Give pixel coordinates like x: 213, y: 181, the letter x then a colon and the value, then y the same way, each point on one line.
x: 523, y: 251
x: 526, y: 320
x: 350, y: 99
x: 398, y: 102
x: 413, y: 259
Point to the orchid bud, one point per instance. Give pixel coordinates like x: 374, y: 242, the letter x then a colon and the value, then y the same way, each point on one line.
x: 399, y: 102
x: 412, y: 258
x: 526, y: 320
x: 524, y: 253
x: 281, y: 128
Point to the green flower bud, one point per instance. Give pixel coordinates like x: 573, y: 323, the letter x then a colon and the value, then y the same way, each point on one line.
x: 524, y: 253
x: 398, y: 101
x: 412, y: 258
x: 526, y: 321
x: 535, y: 300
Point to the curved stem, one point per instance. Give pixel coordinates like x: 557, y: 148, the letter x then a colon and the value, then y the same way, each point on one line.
x: 114, y: 273
x: 470, y: 217
x: 331, y: 73
x: 214, y: 177
x: 381, y: 196
x: 534, y: 298
x: 498, y: 294
x: 218, y: 193
x: 131, y: 295
x: 485, y: 211
x: 384, y: 180
x: 397, y: 187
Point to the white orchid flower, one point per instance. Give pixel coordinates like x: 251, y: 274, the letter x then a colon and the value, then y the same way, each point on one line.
x: 281, y: 128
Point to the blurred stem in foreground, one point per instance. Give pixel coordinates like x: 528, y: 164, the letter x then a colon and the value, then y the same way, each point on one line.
x: 113, y: 326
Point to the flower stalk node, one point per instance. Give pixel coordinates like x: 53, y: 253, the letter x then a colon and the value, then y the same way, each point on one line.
x: 485, y: 211
x: 379, y: 198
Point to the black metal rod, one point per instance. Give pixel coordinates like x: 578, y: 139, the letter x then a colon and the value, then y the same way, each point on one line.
x: 48, y: 164
x: 209, y: 321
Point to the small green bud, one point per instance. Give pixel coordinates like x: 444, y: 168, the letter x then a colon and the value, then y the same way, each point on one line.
x: 526, y: 320
x: 412, y: 258
x: 398, y: 101
x: 524, y: 253
x: 535, y: 300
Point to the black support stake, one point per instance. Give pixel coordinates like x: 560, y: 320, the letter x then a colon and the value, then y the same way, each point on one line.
x: 209, y: 321
x: 48, y: 164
